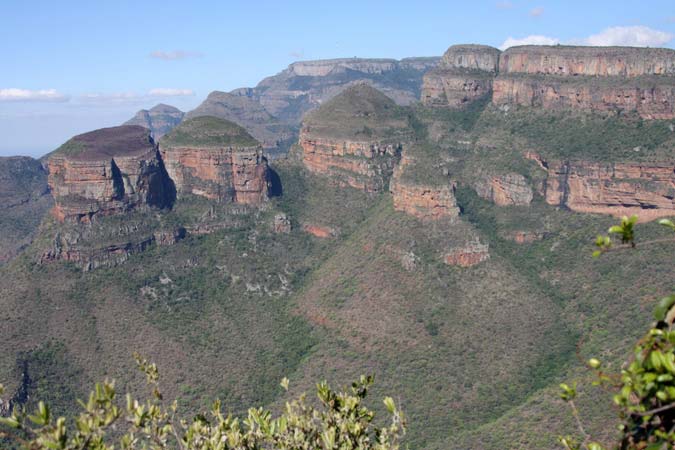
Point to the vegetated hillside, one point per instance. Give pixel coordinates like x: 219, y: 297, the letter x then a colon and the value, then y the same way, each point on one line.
x: 24, y: 199
x: 473, y: 354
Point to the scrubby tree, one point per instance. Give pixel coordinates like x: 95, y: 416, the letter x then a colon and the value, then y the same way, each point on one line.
x: 340, y: 422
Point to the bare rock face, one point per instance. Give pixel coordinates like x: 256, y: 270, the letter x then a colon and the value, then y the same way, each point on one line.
x: 319, y: 231
x: 504, y: 190
x: 647, y: 190
x: 216, y: 159
x: 107, y: 171
x: 355, y: 139
x: 589, y: 61
x: 465, y: 74
x: 650, y: 97
x: 468, y: 255
x: 424, y: 201
x: 159, y: 120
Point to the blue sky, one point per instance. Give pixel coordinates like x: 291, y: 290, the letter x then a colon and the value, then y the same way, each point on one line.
x: 71, y: 66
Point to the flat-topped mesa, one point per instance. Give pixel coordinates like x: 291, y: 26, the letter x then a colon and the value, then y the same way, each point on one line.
x: 355, y: 138
x: 159, y: 120
x: 107, y: 171
x: 619, y: 189
x: 216, y: 159
x: 599, y: 79
x: 465, y: 74
x: 591, y: 61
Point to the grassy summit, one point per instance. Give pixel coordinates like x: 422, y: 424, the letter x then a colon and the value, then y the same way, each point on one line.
x: 360, y: 112
x: 125, y: 140
x: 208, y: 131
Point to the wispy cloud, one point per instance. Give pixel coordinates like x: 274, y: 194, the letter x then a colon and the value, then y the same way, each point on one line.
x: 533, y: 39
x: 170, y: 92
x: 504, y: 5
x: 27, y: 95
x: 114, y: 98
x: 297, y: 54
x: 174, y: 55
x: 632, y: 36
x: 537, y: 12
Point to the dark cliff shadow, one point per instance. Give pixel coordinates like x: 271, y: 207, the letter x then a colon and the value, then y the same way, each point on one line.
x: 274, y: 183
x: 161, y: 188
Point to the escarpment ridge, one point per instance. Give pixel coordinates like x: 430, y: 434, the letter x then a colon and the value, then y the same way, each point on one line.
x: 600, y: 79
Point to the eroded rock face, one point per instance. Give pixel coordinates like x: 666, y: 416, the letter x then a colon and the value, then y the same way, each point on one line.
x: 504, y: 190
x: 355, y: 139
x: 465, y: 74
x: 216, y: 159
x: 107, y: 171
x: 647, y: 190
x: 469, y: 255
x: 281, y: 224
x: 591, y: 61
x: 650, y: 97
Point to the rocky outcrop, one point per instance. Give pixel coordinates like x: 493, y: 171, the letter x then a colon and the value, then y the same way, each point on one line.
x: 281, y: 224
x: 524, y: 236
x: 468, y: 255
x: 588, y: 61
x: 645, y: 189
x: 355, y: 139
x: 216, y: 159
x: 464, y: 75
x: 107, y: 171
x: 249, y: 114
x: 159, y: 120
x: 504, y: 190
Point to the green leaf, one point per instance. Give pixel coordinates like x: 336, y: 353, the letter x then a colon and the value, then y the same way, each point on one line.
x: 667, y: 223
x: 662, y: 308
x: 389, y: 403
x: 615, y: 229
x: 284, y: 383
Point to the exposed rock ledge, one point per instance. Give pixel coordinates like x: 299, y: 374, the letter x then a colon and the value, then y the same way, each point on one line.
x: 645, y: 189
x: 507, y: 189
x: 469, y: 255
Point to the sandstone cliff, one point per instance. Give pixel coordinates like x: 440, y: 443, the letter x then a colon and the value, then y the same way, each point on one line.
x: 216, y: 159
x: 159, y: 120
x: 424, y: 200
x: 645, y: 189
x: 465, y: 74
x: 503, y: 190
x: 107, y: 171
x: 355, y: 138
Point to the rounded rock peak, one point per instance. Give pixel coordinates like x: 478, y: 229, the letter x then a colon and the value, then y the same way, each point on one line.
x: 107, y: 143
x: 208, y: 131
x: 471, y: 57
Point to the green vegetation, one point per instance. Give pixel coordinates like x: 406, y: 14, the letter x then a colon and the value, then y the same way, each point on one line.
x: 208, y: 131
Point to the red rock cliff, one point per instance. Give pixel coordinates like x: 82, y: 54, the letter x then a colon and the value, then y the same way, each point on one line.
x: 647, y: 190
x: 355, y: 139
x: 216, y: 159
x: 107, y: 171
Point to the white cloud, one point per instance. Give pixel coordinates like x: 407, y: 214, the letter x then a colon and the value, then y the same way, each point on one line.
x: 170, y: 92
x: 504, y: 5
x: 536, y: 12
x: 174, y: 55
x: 27, y: 95
x: 634, y: 36
x: 533, y: 39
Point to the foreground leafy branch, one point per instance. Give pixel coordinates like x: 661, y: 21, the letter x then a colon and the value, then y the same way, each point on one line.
x: 341, y: 422
x: 645, y: 388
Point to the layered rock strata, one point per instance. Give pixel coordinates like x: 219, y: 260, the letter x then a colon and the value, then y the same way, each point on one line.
x: 504, y: 190
x: 216, y: 159
x: 107, y: 171
x: 645, y: 189
x: 355, y: 139
x: 464, y: 75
